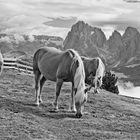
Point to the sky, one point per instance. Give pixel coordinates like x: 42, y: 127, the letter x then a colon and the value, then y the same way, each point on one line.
x: 55, y: 17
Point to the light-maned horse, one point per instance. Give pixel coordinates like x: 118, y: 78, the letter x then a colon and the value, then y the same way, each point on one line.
x: 60, y: 66
x: 94, y: 71
x: 1, y: 62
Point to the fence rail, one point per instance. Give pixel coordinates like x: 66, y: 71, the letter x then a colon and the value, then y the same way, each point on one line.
x: 18, y: 65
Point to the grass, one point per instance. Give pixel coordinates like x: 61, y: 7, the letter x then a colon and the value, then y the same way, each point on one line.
x: 108, y: 116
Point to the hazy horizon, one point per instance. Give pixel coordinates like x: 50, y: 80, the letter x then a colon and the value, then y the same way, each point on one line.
x: 56, y: 17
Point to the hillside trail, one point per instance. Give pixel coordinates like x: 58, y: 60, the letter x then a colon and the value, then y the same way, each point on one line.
x: 107, y: 116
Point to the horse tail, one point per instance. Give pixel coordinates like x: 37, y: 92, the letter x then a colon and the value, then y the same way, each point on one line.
x: 35, y: 62
x: 37, y: 56
x: 97, y: 64
x: 100, y: 68
x: 99, y: 73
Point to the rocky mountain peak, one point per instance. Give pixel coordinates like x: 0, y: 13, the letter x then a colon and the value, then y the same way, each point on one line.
x: 131, y: 34
x: 85, y: 39
x: 91, y: 41
x: 98, y: 37
x: 115, y: 35
x: 131, y: 41
x: 80, y: 26
x: 116, y: 47
x: 130, y: 31
x: 115, y: 39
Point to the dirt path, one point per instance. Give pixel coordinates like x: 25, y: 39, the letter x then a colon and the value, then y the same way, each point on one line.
x: 108, y: 116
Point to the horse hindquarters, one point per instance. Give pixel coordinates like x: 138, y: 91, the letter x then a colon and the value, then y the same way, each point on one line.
x: 39, y: 82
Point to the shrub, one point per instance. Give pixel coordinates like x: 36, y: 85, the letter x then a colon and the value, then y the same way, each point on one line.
x: 109, y: 82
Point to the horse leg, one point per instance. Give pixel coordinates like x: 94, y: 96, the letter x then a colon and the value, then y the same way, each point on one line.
x: 37, y: 86
x: 96, y: 91
x: 42, y: 81
x: 58, y: 88
x: 72, y: 104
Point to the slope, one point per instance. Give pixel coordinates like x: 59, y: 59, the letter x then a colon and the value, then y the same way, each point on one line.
x: 107, y: 116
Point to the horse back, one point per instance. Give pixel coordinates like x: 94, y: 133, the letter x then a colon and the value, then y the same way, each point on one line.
x: 53, y: 63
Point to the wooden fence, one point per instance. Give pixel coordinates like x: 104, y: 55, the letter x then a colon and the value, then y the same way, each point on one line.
x: 18, y: 65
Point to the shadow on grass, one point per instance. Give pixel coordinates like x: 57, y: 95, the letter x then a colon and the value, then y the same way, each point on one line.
x: 29, y: 107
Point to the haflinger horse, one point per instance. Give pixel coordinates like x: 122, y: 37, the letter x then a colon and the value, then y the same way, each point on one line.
x: 94, y: 72
x: 61, y: 66
x: 1, y: 62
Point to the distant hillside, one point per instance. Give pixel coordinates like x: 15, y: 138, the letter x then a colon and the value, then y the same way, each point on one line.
x: 27, y: 44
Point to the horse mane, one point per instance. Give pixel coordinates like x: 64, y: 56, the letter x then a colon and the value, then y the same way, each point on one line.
x: 78, y: 57
x: 74, y: 52
x: 100, y: 68
x: 79, y: 78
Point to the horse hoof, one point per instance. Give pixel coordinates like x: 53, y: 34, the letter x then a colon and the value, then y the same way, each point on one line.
x: 78, y: 115
x: 37, y: 104
x: 71, y: 109
x: 96, y: 92
x: 56, y: 109
x: 40, y: 101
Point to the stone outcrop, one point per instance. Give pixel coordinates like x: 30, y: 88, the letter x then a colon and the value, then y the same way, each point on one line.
x: 131, y: 42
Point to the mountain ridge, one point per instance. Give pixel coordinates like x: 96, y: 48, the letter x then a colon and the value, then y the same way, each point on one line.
x: 118, y: 50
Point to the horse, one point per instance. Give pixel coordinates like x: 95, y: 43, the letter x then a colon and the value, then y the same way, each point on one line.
x: 94, y: 72
x: 1, y: 62
x: 60, y: 66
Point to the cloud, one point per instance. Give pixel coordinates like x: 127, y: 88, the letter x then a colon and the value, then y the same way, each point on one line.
x: 128, y: 89
x: 37, y: 15
x: 31, y: 38
x: 61, y: 22
x: 5, y: 39
x: 132, y: 1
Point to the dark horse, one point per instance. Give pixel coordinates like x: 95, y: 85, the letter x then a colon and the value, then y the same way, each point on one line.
x: 94, y: 71
x: 60, y: 66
